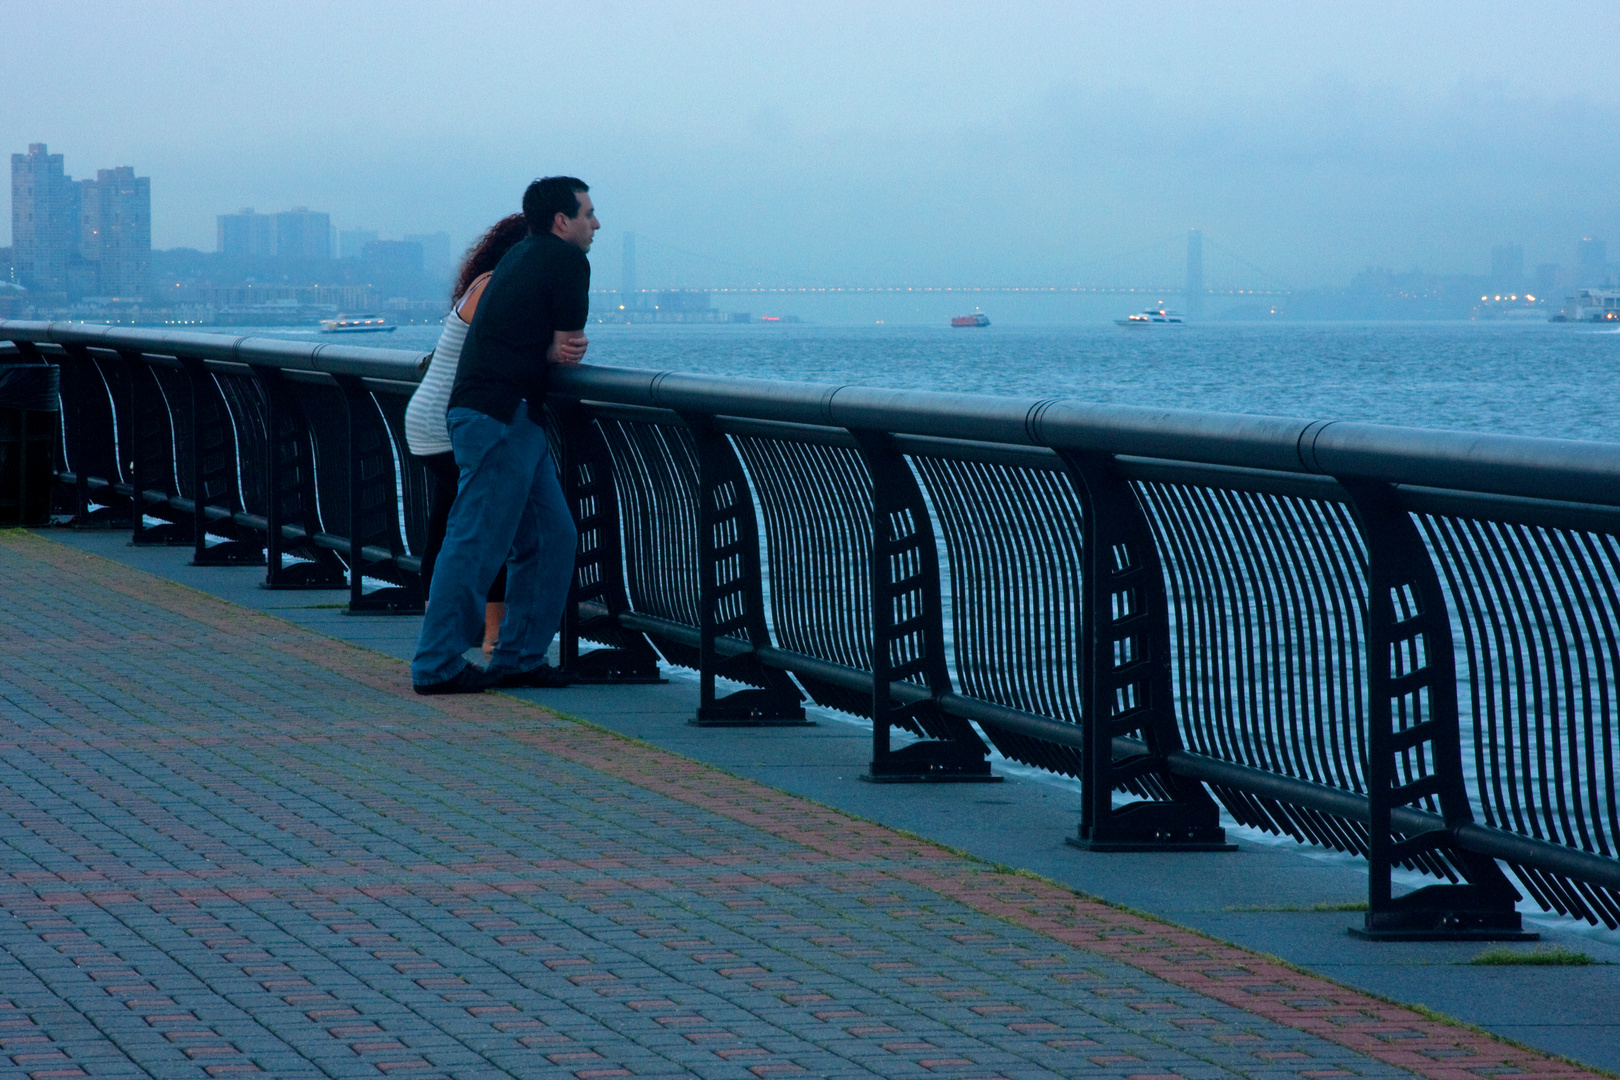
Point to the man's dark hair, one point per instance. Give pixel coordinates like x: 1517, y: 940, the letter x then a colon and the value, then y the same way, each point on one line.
x: 548, y: 197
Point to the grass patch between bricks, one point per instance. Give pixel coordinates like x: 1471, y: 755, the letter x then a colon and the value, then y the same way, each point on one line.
x: 1551, y: 956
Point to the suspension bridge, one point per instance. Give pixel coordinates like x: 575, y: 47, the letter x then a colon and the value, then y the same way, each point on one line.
x: 1191, y: 290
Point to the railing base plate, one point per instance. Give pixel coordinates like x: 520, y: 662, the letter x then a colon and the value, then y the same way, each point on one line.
x: 153, y: 538
x: 618, y: 667
x: 930, y: 762
x: 1444, y: 913
x: 931, y: 778
x: 1442, y: 924
x: 1148, y: 845
x: 751, y: 708
x: 702, y: 720
x: 1442, y: 935
x: 1154, y: 826
x: 228, y: 560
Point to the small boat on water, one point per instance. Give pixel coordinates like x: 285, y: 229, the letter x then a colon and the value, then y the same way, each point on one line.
x: 1588, y: 305
x: 971, y: 320
x: 1152, y: 317
x: 357, y: 324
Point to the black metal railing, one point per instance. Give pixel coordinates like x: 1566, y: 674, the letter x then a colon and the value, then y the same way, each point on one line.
x: 1399, y: 643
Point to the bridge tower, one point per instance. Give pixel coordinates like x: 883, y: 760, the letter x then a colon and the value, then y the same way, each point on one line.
x: 1195, y: 274
x: 627, y: 282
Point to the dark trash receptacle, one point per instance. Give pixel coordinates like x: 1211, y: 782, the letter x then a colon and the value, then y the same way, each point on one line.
x: 29, y: 414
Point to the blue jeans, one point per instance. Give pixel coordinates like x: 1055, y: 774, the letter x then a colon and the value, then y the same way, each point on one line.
x: 508, y: 500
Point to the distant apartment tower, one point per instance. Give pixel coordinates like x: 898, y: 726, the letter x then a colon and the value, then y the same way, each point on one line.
x: 1507, y: 267
x: 44, y: 228
x: 299, y: 233
x: 437, y: 257
x: 303, y: 234
x: 116, y: 230
x: 246, y: 233
x: 80, y: 238
x: 394, y: 256
x: 352, y: 242
x: 1549, y: 279
x: 1591, y: 262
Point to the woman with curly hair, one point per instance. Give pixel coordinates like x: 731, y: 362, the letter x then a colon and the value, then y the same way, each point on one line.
x: 425, y: 432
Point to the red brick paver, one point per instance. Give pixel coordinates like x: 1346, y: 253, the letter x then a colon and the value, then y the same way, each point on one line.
x: 233, y: 846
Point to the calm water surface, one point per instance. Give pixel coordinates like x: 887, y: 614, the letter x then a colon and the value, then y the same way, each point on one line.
x: 1541, y: 379
x: 1536, y: 379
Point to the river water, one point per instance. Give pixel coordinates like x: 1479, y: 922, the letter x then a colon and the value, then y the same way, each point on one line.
x: 1541, y: 379
x: 1547, y: 379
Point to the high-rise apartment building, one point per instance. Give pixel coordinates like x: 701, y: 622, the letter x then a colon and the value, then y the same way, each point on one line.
x: 298, y: 233
x: 394, y: 256
x: 303, y: 234
x: 43, y: 232
x: 438, y: 258
x: 1549, y: 279
x: 1591, y: 262
x: 246, y: 233
x: 123, y: 226
x: 1507, y: 267
x: 352, y: 242
x: 90, y: 237
x: 84, y: 248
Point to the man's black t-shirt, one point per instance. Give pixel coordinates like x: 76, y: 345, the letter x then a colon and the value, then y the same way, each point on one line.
x: 541, y: 286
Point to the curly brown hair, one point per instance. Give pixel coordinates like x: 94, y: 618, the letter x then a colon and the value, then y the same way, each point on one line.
x: 487, y: 251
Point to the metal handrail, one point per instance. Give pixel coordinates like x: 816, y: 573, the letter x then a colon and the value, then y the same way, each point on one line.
x: 1362, y: 635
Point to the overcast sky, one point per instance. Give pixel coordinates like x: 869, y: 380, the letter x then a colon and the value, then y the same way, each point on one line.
x: 860, y: 142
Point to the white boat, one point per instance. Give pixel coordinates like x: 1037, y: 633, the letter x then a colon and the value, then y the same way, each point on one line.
x: 1590, y: 305
x: 356, y: 324
x: 1153, y: 316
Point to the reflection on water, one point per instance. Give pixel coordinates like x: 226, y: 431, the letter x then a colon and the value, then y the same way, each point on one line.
x: 1538, y: 379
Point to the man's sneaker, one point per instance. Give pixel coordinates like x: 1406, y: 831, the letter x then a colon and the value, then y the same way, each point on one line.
x: 471, y: 679
x: 542, y: 677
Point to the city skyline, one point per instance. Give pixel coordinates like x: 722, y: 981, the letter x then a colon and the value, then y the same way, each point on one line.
x: 302, y: 233
x: 912, y: 142
x: 305, y: 234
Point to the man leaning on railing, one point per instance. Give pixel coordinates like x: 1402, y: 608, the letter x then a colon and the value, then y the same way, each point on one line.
x: 509, y: 506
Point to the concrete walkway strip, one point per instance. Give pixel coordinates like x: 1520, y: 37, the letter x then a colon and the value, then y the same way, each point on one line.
x: 234, y: 846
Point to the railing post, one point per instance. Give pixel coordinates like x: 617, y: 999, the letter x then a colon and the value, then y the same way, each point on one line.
x: 373, y: 508
x: 151, y: 457
x: 731, y: 595
x: 597, y: 595
x: 1414, y: 747
x: 92, y: 444
x: 63, y: 394
x: 908, y: 636
x: 1126, y: 679
x: 53, y: 492
x: 291, y: 496
x: 213, y: 475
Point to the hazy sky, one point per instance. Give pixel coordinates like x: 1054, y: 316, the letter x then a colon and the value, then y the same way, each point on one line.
x: 861, y: 142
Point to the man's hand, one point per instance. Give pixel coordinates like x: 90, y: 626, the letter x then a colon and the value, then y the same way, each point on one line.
x: 567, y: 347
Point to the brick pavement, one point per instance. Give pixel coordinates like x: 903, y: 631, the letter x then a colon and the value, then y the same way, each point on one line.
x: 231, y: 846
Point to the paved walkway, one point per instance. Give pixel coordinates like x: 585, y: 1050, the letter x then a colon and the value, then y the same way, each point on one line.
x: 230, y: 845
